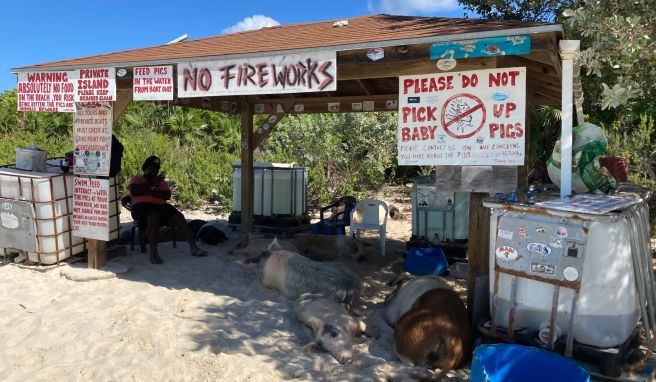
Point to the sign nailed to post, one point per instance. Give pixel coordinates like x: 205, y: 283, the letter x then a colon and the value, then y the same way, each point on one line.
x: 466, y: 118
x: 58, y: 91
x: 91, y: 208
x: 153, y: 83
x: 294, y: 73
x: 92, y: 137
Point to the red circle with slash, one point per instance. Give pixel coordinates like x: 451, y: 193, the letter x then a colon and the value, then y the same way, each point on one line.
x: 467, y: 98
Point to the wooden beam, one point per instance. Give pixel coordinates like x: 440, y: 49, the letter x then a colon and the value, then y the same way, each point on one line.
x: 96, y: 253
x: 247, y: 168
x: 123, y: 99
x: 478, y: 248
x: 268, y: 125
x: 365, y: 87
x: 381, y: 69
x: 542, y: 99
x: 533, y: 66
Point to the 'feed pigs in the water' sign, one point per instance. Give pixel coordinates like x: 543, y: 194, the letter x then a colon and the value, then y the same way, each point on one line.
x: 294, y: 73
x: 466, y: 118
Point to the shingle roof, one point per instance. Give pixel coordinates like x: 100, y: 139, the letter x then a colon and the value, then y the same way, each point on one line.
x: 285, y: 38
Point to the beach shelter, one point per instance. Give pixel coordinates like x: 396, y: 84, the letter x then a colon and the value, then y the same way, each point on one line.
x: 425, y: 68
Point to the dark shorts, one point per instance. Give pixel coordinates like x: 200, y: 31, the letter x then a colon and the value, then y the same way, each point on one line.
x: 165, y: 211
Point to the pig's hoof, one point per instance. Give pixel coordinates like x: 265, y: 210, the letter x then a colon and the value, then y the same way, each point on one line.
x: 155, y: 259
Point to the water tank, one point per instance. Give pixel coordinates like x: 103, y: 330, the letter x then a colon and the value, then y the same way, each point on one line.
x: 280, y: 189
x: 592, y: 252
x: 50, y: 194
x: 439, y: 216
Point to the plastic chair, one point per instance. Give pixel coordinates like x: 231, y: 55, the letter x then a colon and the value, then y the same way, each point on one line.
x: 369, y: 219
x: 138, y: 224
x: 335, y: 224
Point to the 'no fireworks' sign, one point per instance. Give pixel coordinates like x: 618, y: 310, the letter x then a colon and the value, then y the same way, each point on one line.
x: 466, y: 118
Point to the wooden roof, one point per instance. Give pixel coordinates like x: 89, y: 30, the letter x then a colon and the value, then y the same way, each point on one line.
x: 361, y: 32
x: 406, y: 41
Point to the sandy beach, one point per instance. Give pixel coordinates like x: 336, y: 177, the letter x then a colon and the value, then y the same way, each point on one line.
x: 190, y: 319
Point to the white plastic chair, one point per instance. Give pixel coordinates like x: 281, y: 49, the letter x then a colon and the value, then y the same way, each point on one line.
x: 366, y: 217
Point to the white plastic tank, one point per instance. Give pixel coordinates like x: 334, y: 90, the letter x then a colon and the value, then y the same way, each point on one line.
x: 51, y: 195
x: 607, y: 310
x: 280, y: 189
x: 439, y: 216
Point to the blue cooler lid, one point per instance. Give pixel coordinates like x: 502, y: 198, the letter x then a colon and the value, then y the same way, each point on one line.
x: 517, y: 363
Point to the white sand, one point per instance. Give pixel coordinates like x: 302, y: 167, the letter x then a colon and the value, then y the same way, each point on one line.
x: 190, y: 319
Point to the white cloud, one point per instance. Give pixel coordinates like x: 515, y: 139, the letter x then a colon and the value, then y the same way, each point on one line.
x: 251, y: 23
x: 411, y: 7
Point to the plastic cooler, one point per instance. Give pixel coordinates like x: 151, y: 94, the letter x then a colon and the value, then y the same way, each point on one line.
x: 50, y: 195
x: 516, y: 363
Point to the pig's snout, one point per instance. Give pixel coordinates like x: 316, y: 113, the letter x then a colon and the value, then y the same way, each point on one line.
x: 345, y: 357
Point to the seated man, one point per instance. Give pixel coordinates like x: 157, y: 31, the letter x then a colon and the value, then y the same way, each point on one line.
x: 149, y: 195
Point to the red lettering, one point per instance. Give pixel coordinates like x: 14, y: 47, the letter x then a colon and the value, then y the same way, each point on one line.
x: 226, y: 76
x: 405, y: 134
x: 407, y: 84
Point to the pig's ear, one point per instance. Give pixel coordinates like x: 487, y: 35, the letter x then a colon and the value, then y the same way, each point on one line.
x: 315, y: 324
x: 311, y: 347
x: 275, y: 245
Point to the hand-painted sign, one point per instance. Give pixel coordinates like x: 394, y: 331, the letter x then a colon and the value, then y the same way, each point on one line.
x: 91, y: 208
x: 465, y: 118
x: 295, y: 73
x: 92, y: 138
x: 58, y: 91
x: 152, y: 83
x: 46, y: 91
x: 95, y: 85
x: 487, y: 47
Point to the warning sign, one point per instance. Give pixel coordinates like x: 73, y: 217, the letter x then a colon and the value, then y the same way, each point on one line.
x: 466, y: 118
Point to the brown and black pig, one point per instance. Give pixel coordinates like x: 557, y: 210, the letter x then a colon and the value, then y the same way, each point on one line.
x: 435, y: 332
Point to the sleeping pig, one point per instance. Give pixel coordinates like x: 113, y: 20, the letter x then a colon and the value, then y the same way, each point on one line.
x: 435, y: 332
x: 334, y: 329
x: 294, y: 274
x: 329, y: 247
x: 402, y: 299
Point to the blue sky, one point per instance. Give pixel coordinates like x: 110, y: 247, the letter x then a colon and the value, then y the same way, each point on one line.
x: 38, y: 31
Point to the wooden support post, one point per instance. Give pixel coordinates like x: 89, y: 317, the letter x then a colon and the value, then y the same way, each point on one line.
x: 97, y: 249
x: 247, y: 168
x: 478, y: 279
x: 96, y: 253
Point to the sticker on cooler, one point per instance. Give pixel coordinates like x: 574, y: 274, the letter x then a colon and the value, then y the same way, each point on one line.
x: 502, y: 233
x: 506, y: 253
x: 540, y: 248
x: 570, y: 274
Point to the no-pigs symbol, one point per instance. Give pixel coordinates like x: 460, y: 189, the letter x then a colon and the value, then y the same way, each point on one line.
x: 466, y: 112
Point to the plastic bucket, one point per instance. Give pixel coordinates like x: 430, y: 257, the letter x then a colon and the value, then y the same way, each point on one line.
x: 617, y: 166
x: 425, y: 261
x: 517, y: 363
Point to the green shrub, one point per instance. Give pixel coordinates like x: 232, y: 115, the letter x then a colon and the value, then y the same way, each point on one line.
x: 638, y: 145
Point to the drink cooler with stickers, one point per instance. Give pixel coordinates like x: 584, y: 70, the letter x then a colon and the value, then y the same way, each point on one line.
x: 592, y: 250
x: 50, y: 194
